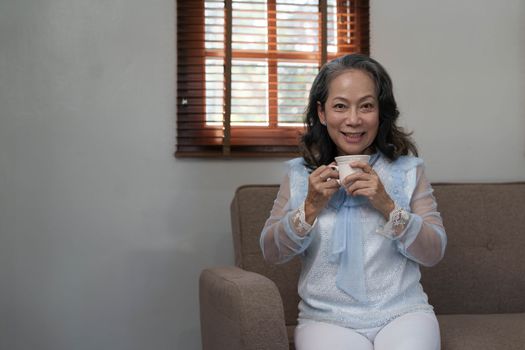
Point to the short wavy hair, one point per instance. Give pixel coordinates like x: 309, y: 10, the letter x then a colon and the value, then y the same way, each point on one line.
x: 317, y: 147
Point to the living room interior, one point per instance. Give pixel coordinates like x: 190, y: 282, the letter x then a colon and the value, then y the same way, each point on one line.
x: 103, y: 232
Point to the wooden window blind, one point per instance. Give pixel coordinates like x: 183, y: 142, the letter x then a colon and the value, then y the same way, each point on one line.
x: 245, y: 67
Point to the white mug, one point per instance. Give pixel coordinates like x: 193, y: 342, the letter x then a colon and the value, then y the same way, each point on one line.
x: 343, y: 164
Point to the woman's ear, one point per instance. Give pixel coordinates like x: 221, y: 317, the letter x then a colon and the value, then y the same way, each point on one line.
x: 320, y: 113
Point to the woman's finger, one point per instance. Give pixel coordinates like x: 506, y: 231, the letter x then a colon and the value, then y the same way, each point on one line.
x: 361, y: 165
x: 359, y: 176
x: 328, y: 174
x: 366, y: 192
x: 358, y: 185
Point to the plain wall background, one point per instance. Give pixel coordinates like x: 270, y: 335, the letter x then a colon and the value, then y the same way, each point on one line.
x: 103, y: 232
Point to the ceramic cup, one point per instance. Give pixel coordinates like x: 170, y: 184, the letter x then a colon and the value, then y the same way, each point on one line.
x: 343, y: 164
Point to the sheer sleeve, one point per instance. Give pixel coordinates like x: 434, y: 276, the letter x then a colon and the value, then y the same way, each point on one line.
x: 285, y: 233
x: 422, y: 238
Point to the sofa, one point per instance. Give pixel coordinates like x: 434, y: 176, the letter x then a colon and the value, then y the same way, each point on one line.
x: 477, y: 290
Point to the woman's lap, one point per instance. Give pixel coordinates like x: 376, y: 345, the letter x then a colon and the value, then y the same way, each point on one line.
x: 413, y: 331
x: 318, y: 335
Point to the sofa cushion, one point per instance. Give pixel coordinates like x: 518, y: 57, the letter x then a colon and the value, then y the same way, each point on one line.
x: 483, y: 332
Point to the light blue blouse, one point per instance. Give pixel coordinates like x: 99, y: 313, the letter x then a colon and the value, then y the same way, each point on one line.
x: 390, y: 266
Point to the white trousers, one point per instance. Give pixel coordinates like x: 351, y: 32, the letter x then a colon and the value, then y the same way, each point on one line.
x: 413, y: 331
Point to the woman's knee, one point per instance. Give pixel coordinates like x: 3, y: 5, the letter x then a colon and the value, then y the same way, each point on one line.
x: 414, y: 331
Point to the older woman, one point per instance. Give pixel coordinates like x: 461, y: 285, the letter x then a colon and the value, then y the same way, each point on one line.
x: 361, y: 239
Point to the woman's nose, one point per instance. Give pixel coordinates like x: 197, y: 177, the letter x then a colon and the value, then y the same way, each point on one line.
x: 353, y: 118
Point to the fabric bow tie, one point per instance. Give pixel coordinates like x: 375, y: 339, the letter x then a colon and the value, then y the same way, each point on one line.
x: 347, y: 243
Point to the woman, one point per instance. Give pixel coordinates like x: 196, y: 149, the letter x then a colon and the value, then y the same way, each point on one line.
x: 362, y: 238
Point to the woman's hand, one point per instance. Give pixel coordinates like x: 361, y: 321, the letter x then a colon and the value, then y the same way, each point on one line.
x: 368, y: 184
x: 322, y: 184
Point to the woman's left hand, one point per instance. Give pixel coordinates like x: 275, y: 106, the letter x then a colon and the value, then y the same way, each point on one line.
x: 368, y: 184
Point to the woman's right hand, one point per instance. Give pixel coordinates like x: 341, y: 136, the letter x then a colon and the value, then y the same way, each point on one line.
x: 322, y: 184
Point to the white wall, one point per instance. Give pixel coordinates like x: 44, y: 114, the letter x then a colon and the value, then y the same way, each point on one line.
x: 103, y: 233
x: 458, y: 68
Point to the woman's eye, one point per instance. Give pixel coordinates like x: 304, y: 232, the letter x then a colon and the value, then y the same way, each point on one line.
x: 367, y: 107
x: 339, y: 106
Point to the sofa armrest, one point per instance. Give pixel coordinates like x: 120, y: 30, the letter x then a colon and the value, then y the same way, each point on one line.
x: 240, y: 310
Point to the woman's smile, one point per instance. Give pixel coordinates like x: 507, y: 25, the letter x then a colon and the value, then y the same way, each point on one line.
x: 353, y: 137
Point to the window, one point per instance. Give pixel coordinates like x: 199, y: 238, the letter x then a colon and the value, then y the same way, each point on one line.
x: 245, y: 67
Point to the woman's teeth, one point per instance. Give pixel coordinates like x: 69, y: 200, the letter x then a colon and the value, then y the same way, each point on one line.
x: 353, y: 136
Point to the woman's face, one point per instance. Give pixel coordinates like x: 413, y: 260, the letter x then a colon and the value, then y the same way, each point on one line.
x: 351, y: 112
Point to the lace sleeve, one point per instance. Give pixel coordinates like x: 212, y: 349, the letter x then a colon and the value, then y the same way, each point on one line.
x: 420, y: 234
x: 285, y: 233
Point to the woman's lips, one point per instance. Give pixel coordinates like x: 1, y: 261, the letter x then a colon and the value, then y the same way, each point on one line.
x: 353, y: 137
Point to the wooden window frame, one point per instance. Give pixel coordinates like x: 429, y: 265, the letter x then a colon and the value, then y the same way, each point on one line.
x: 197, y: 139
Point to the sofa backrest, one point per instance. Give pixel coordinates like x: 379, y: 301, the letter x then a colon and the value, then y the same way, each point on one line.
x: 483, y: 270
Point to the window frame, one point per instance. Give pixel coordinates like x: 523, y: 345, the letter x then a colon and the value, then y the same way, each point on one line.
x: 196, y: 138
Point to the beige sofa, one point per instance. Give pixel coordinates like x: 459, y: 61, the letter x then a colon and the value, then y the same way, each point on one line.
x: 478, y: 290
